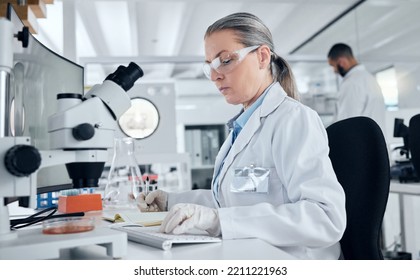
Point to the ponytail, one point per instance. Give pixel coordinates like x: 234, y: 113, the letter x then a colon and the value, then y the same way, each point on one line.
x: 282, y: 72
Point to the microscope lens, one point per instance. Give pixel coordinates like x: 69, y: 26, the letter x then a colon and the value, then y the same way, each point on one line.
x: 126, y: 76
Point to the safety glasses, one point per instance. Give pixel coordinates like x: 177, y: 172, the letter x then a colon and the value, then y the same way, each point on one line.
x: 227, y: 61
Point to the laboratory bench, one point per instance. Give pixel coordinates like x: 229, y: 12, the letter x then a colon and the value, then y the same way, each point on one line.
x: 402, y: 190
x: 105, y: 243
x: 240, y: 249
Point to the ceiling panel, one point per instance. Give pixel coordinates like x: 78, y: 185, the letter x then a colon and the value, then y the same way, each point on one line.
x: 114, y: 24
x: 167, y: 36
x: 374, y: 30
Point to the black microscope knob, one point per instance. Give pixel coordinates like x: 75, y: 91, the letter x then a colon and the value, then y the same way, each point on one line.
x: 22, y: 160
x: 23, y: 36
x: 83, y: 132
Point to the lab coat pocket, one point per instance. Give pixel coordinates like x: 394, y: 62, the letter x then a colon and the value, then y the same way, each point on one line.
x: 250, y: 179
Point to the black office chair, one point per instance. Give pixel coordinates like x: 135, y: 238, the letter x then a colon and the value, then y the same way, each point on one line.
x: 414, y: 142
x: 359, y: 156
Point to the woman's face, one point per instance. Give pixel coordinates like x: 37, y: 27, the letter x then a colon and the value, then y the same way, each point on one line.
x: 248, y: 79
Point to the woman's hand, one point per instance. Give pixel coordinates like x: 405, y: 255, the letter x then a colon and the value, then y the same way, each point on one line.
x: 184, y: 218
x: 156, y: 201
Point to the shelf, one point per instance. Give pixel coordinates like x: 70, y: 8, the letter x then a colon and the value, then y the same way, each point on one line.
x: 202, y: 167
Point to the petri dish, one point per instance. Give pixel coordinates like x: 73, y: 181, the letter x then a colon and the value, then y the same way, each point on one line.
x: 68, y: 225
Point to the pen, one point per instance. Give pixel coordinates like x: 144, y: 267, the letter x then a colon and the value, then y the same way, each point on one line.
x: 147, y: 186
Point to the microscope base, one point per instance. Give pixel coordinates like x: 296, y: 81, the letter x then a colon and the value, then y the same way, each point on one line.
x: 33, y: 244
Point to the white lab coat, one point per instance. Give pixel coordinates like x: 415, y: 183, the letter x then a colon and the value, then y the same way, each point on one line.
x: 360, y: 95
x: 304, y: 210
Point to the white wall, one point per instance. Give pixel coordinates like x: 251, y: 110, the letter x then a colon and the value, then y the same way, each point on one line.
x: 408, y: 76
x: 162, y: 95
x: 200, y: 110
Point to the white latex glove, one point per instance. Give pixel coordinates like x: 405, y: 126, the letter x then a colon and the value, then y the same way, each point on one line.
x: 184, y: 218
x: 156, y: 201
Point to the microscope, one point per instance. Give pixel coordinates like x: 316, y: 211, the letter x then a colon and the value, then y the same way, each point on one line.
x: 80, y: 134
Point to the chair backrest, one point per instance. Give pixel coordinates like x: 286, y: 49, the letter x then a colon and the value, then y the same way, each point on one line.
x: 414, y: 142
x: 359, y: 156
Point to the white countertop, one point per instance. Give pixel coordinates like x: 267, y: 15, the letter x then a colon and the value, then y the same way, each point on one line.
x: 240, y: 249
x: 405, y: 188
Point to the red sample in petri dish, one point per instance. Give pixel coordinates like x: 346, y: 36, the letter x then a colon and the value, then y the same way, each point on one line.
x: 68, y: 225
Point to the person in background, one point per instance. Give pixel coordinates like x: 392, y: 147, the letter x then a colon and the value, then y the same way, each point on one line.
x: 359, y: 93
x: 273, y: 179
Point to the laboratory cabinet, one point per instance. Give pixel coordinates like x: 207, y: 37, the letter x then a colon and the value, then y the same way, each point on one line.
x: 202, y: 143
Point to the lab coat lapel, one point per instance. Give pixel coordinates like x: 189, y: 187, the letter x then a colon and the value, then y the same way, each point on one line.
x: 221, y: 155
x: 233, y: 150
x: 273, y: 99
x: 243, y: 138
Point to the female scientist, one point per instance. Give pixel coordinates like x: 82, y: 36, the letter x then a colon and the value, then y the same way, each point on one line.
x: 273, y: 179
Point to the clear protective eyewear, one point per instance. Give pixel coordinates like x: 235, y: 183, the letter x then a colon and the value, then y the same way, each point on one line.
x: 227, y: 62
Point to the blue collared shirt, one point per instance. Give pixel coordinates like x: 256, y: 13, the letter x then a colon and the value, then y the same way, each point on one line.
x: 235, y: 125
x: 240, y: 122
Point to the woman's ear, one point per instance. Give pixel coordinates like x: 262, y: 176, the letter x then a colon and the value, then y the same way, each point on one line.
x: 264, y: 56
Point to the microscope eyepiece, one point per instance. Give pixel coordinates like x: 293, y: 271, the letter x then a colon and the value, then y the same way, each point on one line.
x: 126, y: 76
